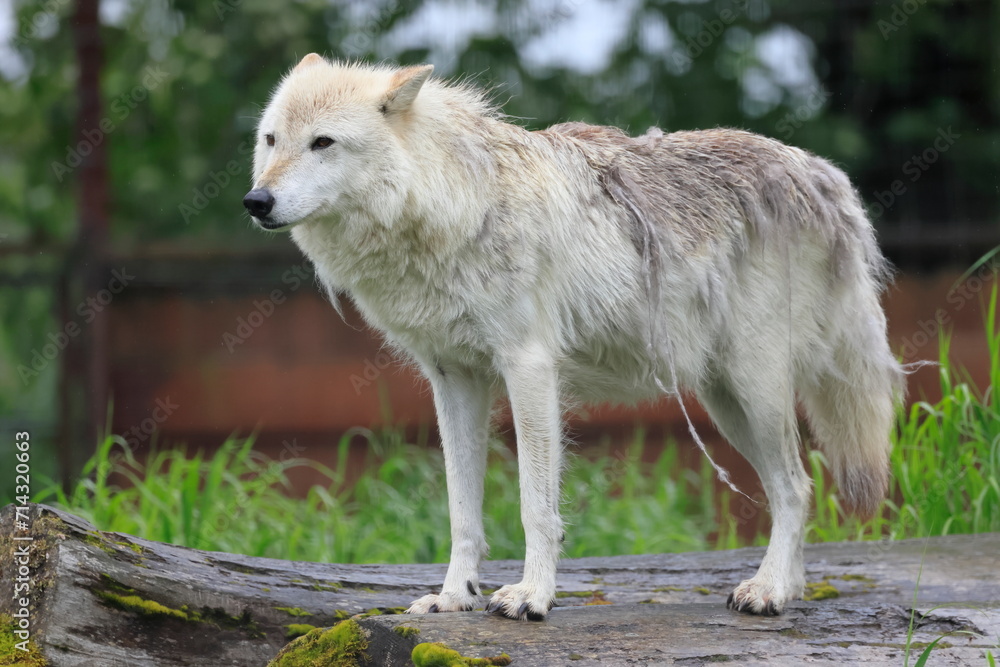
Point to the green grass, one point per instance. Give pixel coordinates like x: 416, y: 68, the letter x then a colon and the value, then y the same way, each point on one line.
x: 945, y: 479
x: 239, y: 501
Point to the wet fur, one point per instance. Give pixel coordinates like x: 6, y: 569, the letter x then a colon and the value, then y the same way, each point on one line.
x: 578, y: 263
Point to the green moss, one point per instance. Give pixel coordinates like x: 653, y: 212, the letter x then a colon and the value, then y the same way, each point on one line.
x: 138, y: 605
x: 293, y: 630
x: 856, y: 577
x: 649, y: 601
x: 343, y: 645
x: 107, y: 545
x: 327, y: 587
x: 342, y: 614
x: 439, y: 655
x: 435, y: 655
x: 577, y: 594
x: 137, y: 548
x: 821, y: 590
x: 575, y: 656
x: 793, y: 633
x: 702, y: 590
x: 10, y: 654
x: 223, y: 619
x: 668, y: 589
x: 115, y: 585
x: 95, y: 540
x: 294, y: 611
x: 381, y: 611
x: 406, y: 631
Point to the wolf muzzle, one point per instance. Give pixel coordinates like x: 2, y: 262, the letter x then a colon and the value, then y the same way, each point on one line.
x: 260, y: 202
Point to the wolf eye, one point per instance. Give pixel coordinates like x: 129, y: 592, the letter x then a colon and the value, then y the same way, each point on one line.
x: 322, y: 142
x: 269, y: 138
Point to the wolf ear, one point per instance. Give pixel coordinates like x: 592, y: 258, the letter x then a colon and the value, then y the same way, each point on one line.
x: 309, y: 61
x: 404, y: 87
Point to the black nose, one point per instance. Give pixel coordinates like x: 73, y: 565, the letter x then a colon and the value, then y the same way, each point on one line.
x: 259, y: 202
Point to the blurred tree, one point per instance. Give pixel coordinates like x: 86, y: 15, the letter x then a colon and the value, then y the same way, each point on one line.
x: 867, y: 84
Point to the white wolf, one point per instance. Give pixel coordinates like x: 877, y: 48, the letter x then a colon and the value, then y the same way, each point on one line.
x: 577, y: 263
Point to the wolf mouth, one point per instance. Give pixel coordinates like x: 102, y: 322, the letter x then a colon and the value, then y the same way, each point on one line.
x: 270, y: 225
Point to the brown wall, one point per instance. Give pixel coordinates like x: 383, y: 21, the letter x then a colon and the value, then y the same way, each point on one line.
x: 302, y: 375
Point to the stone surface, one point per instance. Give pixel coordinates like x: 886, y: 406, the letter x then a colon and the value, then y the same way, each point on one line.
x: 665, y: 609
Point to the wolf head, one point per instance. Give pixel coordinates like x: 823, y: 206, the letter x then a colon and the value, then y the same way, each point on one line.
x: 330, y: 141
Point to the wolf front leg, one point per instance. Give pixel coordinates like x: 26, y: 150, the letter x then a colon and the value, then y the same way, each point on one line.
x: 532, y: 385
x: 462, y: 401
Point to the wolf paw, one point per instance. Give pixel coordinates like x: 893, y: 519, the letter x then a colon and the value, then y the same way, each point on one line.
x: 753, y: 597
x: 438, y: 602
x: 520, y: 602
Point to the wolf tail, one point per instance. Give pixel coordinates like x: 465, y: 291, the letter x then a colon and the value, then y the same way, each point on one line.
x: 850, y: 400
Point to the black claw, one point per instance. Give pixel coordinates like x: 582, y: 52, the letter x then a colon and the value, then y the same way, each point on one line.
x: 535, y: 616
x: 522, y: 610
x: 729, y: 602
x: 434, y: 609
x: 472, y: 589
x: 770, y: 609
x: 491, y: 607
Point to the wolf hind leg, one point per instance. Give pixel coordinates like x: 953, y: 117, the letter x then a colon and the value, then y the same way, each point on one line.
x: 759, y: 421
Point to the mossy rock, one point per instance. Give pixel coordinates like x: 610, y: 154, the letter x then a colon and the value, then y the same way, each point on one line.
x: 343, y: 645
x: 439, y: 655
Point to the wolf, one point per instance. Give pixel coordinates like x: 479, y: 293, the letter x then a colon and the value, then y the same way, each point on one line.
x: 581, y: 264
